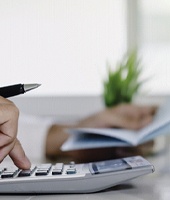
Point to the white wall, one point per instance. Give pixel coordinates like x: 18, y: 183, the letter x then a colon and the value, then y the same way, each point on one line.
x: 62, y: 44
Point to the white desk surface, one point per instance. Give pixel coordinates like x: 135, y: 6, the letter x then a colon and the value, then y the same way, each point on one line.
x: 152, y: 186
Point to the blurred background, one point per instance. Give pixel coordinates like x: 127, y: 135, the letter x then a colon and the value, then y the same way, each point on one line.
x: 65, y: 45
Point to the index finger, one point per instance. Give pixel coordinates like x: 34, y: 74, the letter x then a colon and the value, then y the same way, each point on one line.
x: 18, y: 156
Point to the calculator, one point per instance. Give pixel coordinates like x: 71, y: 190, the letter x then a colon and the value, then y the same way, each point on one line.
x: 72, y: 177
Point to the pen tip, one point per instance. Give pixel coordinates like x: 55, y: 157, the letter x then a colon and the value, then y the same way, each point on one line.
x: 32, y: 86
x: 38, y: 85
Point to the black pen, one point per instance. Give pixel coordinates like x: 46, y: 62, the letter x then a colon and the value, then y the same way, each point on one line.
x: 13, y: 90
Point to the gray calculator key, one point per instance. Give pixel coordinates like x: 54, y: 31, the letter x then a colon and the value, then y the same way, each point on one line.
x: 56, y: 171
x: 59, y: 166
x: 27, y: 172
x: 9, y: 174
x: 71, y: 171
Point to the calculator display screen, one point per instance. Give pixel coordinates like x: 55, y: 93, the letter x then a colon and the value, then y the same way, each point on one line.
x: 109, y: 166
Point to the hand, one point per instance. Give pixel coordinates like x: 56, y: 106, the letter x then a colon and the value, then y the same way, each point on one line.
x: 9, y: 144
x: 127, y: 116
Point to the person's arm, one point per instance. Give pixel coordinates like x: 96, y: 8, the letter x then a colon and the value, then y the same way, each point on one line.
x: 9, y: 144
x: 122, y: 116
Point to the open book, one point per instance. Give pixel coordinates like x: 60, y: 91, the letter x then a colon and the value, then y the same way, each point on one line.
x: 88, y: 138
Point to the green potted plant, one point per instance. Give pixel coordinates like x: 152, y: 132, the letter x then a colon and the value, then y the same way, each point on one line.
x: 122, y: 83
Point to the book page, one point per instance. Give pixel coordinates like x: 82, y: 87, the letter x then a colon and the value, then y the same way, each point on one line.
x: 161, y: 119
x: 128, y: 136
x: 88, y: 138
x: 88, y: 141
x: 120, y: 137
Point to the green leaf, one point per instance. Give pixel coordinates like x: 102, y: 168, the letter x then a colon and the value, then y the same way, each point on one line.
x: 123, y: 82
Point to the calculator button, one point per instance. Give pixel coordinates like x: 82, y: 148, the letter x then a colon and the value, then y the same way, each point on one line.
x: 58, y: 169
x: 59, y: 166
x: 44, y: 166
x: 41, y: 172
x: 71, y: 171
x: 43, y: 169
x: 9, y: 174
x: 27, y: 172
x: 56, y: 172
